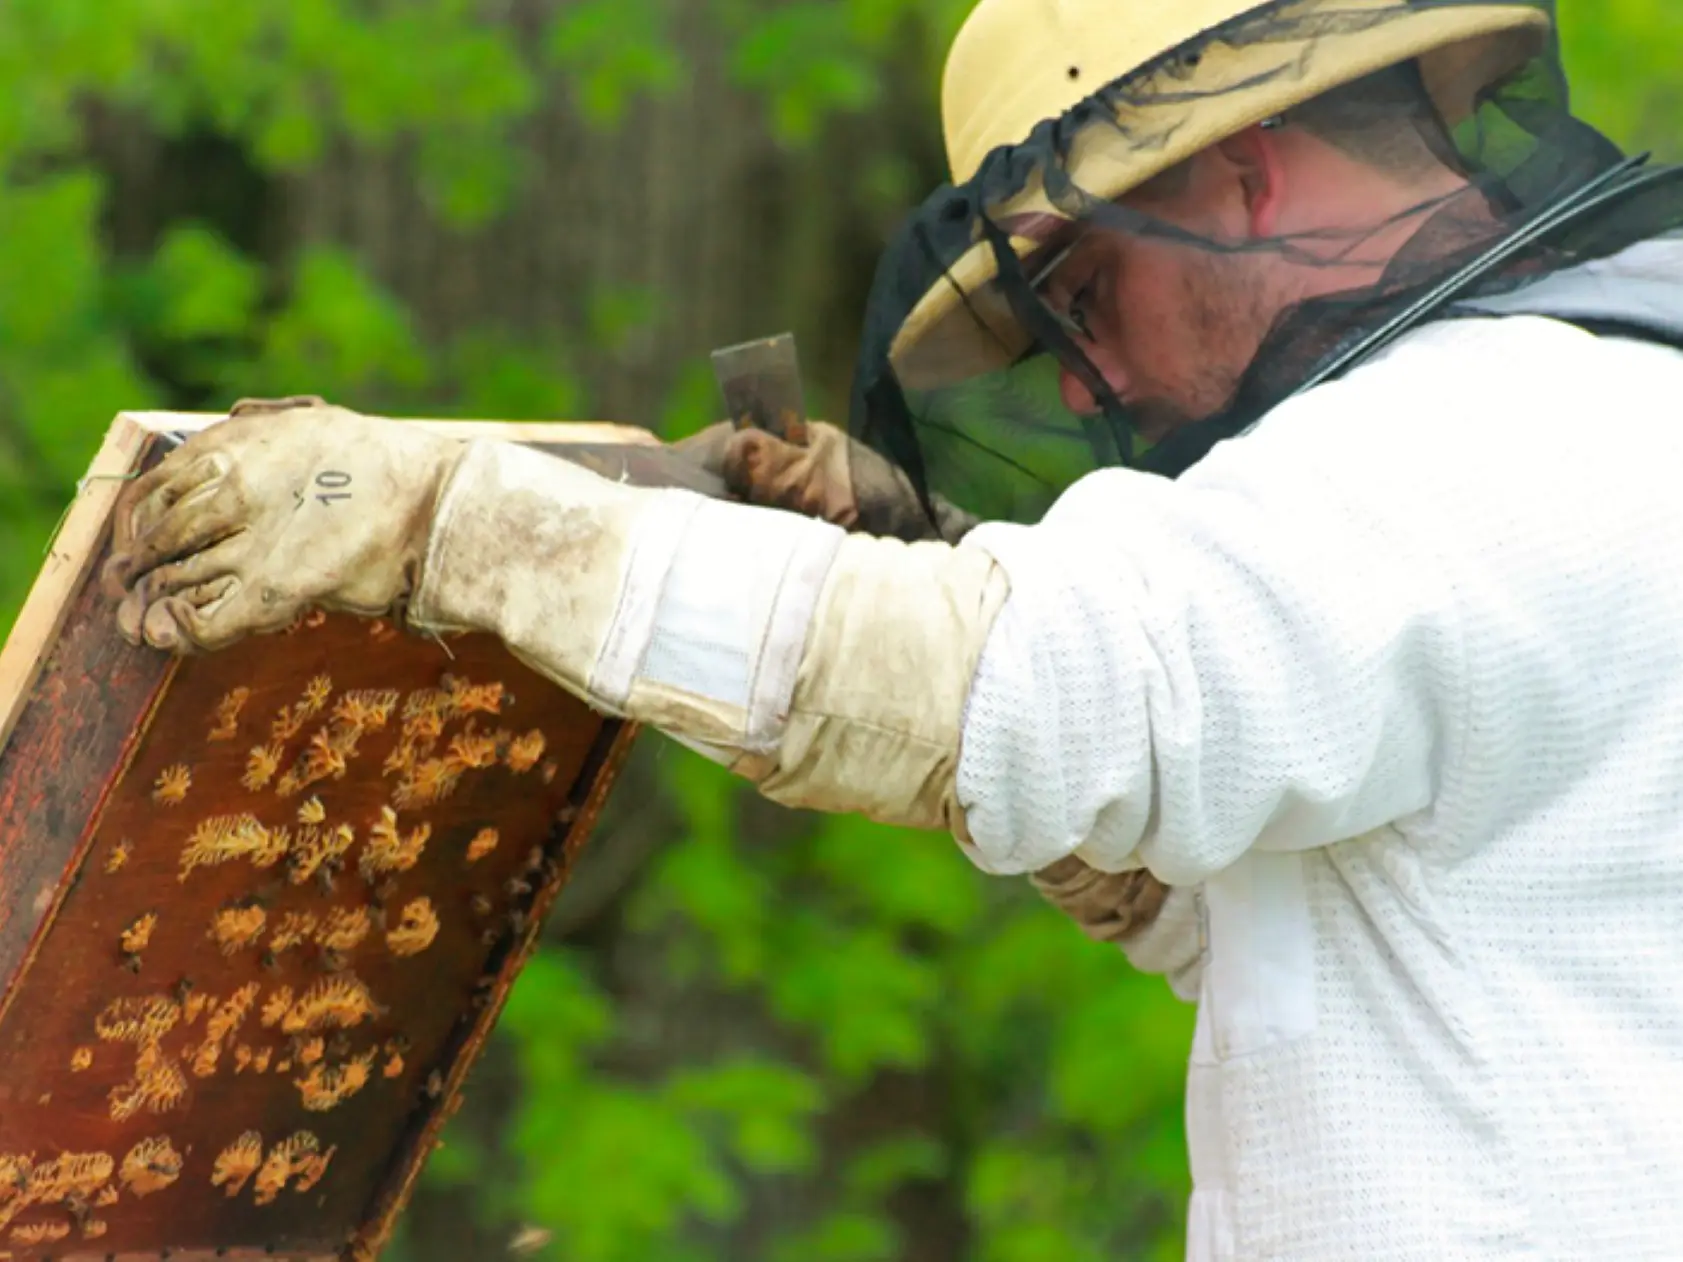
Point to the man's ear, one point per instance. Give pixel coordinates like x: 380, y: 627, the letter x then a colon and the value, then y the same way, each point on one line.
x: 1255, y: 158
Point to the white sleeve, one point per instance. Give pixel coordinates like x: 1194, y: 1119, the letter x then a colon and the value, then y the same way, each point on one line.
x: 1424, y: 596
x: 1255, y: 655
x: 1173, y: 944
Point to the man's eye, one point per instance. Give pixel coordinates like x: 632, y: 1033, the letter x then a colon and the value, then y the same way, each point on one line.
x: 1076, y: 314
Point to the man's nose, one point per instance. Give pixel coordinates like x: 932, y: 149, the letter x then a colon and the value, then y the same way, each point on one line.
x: 1077, y: 397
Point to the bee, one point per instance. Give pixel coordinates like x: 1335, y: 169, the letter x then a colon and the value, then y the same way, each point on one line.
x: 295, y: 927
x: 236, y: 1163
x: 326, y: 1086
x: 316, y: 693
x: 427, y: 783
x: 225, y: 838
x: 415, y: 930
x: 234, y: 928
x: 81, y: 1059
x: 228, y: 714
x: 466, y: 698
x: 158, y: 1085
x: 118, y: 857
x: 151, y: 1165
x: 138, y: 935
x: 312, y: 812
x: 275, y: 1007
x: 172, y: 785
x: 40, y: 1233
x: 483, y: 843
x: 529, y: 1240
x: 341, y: 1002
x: 231, y: 1014
x: 388, y: 850
x: 345, y: 928
x: 524, y: 751
x: 471, y: 751
x: 288, y: 722
x: 288, y: 1160
x: 261, y: 764
x: 367, y: 710
x: 137, y: 1020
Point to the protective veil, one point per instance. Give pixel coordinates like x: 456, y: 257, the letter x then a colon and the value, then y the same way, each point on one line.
x: 959, y: 348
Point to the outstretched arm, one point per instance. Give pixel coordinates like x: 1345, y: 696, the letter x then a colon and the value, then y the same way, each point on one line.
x: 1153, y: 676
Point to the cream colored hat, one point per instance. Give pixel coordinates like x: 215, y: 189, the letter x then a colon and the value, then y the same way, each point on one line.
x: 1180, y: 75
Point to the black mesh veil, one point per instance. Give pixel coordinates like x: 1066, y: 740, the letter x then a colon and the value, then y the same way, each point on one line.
x: 969, y: 408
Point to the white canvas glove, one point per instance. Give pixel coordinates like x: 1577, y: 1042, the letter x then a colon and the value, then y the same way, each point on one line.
x: 831, y: 476
x: 288, y: 504
x: 831, y: 670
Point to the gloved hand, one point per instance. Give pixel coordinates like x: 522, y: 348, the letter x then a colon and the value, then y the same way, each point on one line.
x: 289, y: 504
x: 1109, y: 907
x: 840, y: 480
x: 833, y: 477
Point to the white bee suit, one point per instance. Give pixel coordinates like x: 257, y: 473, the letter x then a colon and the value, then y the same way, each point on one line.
x: 1392, y: 688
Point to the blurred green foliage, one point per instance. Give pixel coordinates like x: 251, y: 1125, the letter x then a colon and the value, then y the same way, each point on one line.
x: 872, y: 952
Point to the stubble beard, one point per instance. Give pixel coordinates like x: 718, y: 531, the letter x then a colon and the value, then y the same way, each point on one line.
x: 1227, y: 312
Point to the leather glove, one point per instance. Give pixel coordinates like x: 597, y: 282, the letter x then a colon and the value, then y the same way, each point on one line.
x: 1109, y: 907
x: 832, y: 477
x: 287, y: 505
x: 840, y: 480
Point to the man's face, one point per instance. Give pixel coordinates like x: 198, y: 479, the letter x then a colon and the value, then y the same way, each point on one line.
x: 1171, y: 327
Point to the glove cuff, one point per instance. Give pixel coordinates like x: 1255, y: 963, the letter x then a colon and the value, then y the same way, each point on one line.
x: 652, y: 604
x: 831, y: 670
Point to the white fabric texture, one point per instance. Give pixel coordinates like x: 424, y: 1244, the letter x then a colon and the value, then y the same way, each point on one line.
x: 736, y: 594
x: 1393, y: 686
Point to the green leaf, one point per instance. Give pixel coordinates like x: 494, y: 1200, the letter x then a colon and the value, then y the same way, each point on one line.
x: 861, y: 996
x: 205, y: 288
x: 340, y: 336
x: 613, y: 51
x: 898, y: 876
x: 617, y: 312
x: 809, y: 61
x: 846, y: 1236
x: 769, y: 1108
x: 501, y: 376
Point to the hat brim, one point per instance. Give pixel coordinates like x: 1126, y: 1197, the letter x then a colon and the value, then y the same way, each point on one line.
x: 963, y: 326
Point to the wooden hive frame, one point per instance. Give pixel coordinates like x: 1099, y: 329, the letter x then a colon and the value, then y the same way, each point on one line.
x: 259, y: 909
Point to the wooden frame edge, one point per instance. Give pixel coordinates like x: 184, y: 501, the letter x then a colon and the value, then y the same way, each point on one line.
x: 70, y: 558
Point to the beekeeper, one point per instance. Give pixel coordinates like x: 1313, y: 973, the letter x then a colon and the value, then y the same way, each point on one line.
x: 1343, y: 681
